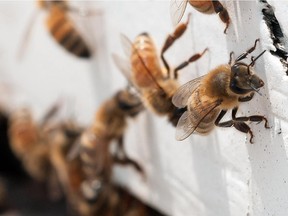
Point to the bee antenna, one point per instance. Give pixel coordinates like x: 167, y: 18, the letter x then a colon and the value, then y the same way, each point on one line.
x: 255, y: 59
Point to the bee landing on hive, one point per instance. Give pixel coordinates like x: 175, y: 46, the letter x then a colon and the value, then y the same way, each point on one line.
x: 208, y: 98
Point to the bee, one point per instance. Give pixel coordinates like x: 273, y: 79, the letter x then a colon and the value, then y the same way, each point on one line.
x: 177, y: 9
x: 109, y: 125
x: 28, y: 141
x: 113, y: 113
x: 63, y: 29
x: 143, y: 70
x: 27, y: 144
x: 210, y: 96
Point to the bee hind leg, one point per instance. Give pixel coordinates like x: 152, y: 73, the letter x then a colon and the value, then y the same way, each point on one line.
x: 253, y: 118
x: 239, y: 125
x: 239, y: 122
x: 243, y: 127
x: 178, y: 32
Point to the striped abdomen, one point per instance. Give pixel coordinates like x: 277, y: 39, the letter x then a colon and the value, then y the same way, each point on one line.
x: 64, y: 32
x: 198, y: 105
x: 203, y: 6
x: 147, y: 51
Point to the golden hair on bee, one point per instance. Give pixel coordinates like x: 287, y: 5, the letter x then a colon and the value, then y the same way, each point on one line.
x: 209, y: 97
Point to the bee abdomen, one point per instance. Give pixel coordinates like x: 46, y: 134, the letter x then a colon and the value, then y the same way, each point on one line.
x: 203, y: 6
x: 64, y: 32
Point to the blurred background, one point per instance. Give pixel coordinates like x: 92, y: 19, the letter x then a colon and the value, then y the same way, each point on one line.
x: 49, y: 97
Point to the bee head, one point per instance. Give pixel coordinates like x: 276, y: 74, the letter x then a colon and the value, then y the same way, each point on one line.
x: 129, y: 102
x: 243, y: 79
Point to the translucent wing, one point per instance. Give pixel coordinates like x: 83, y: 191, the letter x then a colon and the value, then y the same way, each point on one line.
x: 181, y: 96
x: 51, y: 112
x: 27, y: 34
x: 123, y: 65
x: 177, y: 9
x: 186, y: 127
x: 84, y: 11
x: 128, y: 47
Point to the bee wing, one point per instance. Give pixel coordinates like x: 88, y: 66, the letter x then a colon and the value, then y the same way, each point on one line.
x: 74, y: 150
x: 123, y: 65
x: 128, y: 47
x: 177, y: 9
x: 185, y: 127
x: 84, y: 11
x: 181, y: 96
x: 51, y: 112
x: 27, y: 35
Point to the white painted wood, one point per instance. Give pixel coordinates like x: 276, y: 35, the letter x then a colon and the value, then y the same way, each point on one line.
x: 220, y: 174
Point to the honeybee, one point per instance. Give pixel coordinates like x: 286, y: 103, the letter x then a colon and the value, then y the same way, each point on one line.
x: 155, y: 84
x: 27, y: 144
x: 177, y: 9
x: 101, y: 195
x: 28, y: 141
x: 63, y: 29
x: 210, y: 96
x: 109, y: 124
